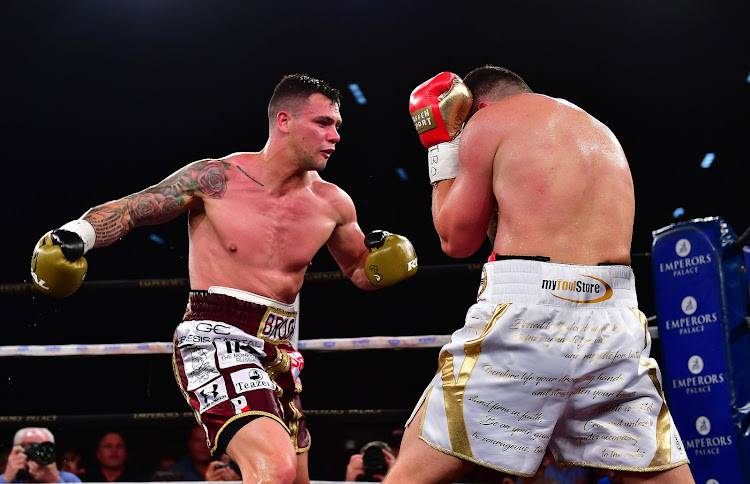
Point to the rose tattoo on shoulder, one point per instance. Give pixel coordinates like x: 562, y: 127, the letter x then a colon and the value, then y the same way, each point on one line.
x: 212, y: 179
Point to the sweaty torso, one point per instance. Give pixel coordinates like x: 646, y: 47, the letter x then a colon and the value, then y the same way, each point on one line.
x: 258, y: 241
x: 562, y: 183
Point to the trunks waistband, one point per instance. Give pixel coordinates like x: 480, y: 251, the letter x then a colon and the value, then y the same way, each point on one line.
x: 270, y: 320
x: 538, y: 282
x: 250, y: 297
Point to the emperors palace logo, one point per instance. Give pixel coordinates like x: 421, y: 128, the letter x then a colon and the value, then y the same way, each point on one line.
x: 578, y: 290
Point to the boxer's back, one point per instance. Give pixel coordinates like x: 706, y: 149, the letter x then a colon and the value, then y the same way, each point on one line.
x: 562, y: 183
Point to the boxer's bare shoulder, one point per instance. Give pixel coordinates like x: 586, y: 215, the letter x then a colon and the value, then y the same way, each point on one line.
x: 340, y: 203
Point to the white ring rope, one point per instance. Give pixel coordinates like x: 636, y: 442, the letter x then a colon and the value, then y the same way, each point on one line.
x: 331, y: 344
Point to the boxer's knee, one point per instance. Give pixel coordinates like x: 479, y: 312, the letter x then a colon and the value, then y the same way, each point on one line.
x: 264, y: 452
x: 282, y: 468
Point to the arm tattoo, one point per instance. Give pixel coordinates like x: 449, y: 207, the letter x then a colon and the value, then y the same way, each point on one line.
x: 159, y: 203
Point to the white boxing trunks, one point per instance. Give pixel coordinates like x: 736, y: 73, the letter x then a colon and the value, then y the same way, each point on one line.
x: 551, y: 354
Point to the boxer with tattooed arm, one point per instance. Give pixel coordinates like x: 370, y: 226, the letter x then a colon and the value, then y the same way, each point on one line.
x: 255, y: 221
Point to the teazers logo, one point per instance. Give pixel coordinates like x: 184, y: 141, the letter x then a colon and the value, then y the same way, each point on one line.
x: 579, y: 287
x: 250, y: 379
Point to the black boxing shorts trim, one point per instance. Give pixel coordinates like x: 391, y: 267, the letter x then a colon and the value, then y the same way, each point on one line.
x: 494, y: 256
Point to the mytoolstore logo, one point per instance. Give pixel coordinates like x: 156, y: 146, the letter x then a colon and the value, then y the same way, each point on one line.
x: 578, y: 286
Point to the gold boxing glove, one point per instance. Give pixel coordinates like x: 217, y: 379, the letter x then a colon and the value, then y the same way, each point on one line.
x: 391, y: 259
x: 52, y: 272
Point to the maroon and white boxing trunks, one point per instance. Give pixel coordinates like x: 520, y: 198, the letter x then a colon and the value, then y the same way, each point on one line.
x: 234, y: 362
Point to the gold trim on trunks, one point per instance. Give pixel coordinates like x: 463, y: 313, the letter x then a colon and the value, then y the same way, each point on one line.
x: 623, y: 468
x: 663, y: 454
x: 294, y: 425
x: 474, y: 460
x: 279, y: 365
x: 454, y: 388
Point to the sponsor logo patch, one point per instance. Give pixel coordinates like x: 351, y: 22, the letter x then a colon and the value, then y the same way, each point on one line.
x: 240, y: 405
x: 250, y: 379
x: 199, y: 365
x: 423, y: 119
x: 482, y: 283
x: 212, y: 394
x: 278, y: 325
x: 235, y: 353
x: 297, y: 362
x: 205, y: 332
x: 579, y: 291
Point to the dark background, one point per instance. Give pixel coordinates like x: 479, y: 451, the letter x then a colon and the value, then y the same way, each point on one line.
x: 100, y: 99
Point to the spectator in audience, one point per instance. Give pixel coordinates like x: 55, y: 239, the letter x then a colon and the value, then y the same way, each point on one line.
x: 32, y: 458
x: 112, y: 456
x: 371, y: 464
x: 69, y: 460
x: 194, y: 465
x: 223, y: 470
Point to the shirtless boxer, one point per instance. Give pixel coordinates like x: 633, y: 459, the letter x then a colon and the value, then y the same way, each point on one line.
x: 255, y: 222
x: 555, y: 352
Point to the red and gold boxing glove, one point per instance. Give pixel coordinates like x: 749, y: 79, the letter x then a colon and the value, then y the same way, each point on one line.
x: 439, y: 108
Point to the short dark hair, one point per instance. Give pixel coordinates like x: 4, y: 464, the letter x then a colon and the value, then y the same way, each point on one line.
x: 298, y: 87
x: 494, y: 82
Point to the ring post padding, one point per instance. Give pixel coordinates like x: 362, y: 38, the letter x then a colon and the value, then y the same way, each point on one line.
x: 701, y: 295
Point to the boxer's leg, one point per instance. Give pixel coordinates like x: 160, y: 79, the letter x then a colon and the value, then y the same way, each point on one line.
x: 303, y: 475
x: 264, y: 452
x: 677, y: 475
x: 419, y: 463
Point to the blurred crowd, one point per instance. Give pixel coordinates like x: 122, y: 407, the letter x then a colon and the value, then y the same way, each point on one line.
x: 35, y: 456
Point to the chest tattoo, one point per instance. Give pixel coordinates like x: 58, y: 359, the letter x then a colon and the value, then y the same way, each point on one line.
x: 253, y: 179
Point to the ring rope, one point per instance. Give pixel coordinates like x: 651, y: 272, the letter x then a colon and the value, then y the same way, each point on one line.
x: 180, y: 417
x: 184, y: 283
x: 325, y: 344
x: 331, y: 344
